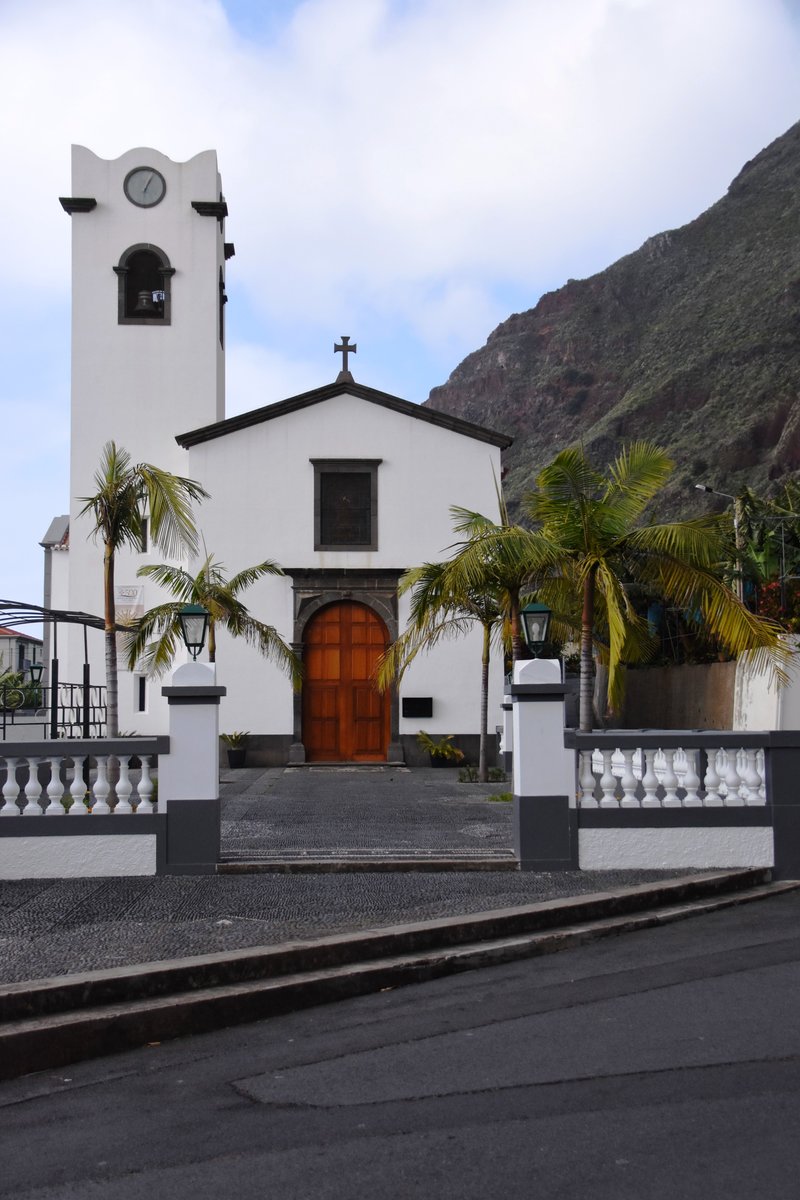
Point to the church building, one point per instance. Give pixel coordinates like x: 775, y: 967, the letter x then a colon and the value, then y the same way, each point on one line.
x: 344, y: 486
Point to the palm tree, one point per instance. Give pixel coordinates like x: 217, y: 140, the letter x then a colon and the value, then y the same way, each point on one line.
x: 482, y: 582
x: 494, y: 558
x: 127, y: 494
x: 210, y: 588
x: 440, y: 609
x: 593, y: 522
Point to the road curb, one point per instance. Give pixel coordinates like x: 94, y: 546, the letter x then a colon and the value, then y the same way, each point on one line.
x: 50, y: 1023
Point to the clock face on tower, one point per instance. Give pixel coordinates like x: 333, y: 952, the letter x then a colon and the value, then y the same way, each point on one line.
x: 145, y: 186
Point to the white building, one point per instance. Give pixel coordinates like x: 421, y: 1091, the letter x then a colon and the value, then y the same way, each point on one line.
x: 346, y: 487
x: 18, y: 651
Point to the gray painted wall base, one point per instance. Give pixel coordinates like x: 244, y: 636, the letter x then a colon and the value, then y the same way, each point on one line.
x: 545, y: 833
x: 469, y: 743
x: 782, y: 761
x: 193, y: 837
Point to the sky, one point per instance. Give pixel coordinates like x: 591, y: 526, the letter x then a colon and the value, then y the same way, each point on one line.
x: 406, y: 172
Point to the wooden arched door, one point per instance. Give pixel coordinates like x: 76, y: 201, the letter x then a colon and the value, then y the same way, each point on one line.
x: 345, y: 717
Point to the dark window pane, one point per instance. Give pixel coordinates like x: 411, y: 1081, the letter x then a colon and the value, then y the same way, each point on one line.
x: 345, y: 504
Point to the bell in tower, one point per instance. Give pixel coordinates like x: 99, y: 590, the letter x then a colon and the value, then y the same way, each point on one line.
x: 145, y: 307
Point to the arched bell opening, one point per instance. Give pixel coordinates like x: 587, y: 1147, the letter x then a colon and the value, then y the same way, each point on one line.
x: 144, y: 276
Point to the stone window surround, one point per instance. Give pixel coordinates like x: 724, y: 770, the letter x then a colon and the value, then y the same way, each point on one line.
x: 166, y: 271
x: 360, y: 466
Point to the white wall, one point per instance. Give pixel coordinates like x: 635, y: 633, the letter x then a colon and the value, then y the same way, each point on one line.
x: 759, y: 702
x: 261, y: 482
x: 77, y: 857
x: 675, y: 849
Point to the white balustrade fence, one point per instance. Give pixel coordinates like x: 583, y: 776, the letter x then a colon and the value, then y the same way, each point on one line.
x: 132, y: 791
x: 672, y: 777
x: 113, y: 780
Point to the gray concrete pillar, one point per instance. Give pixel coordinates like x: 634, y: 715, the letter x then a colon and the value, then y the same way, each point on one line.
x: 545, y: 813
x: 188, y: 777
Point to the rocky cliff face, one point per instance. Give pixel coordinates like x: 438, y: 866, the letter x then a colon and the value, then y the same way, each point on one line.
x: 692, y: 341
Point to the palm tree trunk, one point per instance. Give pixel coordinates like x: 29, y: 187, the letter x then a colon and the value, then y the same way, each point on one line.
x: 483, y: 771
x: 516, y: 625
x: 587, y: 660
x: 110, y: 620
x: 212, y: 640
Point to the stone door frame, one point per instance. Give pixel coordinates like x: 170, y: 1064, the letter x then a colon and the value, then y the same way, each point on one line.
x: 314, y: 589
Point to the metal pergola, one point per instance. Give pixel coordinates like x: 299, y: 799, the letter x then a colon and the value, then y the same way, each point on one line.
x: 16, y: 612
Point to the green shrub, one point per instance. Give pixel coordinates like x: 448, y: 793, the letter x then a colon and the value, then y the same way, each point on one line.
x: 443, y: 748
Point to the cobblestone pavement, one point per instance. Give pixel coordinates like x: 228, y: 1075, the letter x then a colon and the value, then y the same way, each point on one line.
x: 339, y: 812
x: 66, y: 926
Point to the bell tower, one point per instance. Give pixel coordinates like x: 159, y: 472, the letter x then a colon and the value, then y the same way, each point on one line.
x: 148, y: 337
x: 148, y: 279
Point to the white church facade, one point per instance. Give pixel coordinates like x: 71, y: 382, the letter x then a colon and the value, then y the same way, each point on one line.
x: 345, y: 486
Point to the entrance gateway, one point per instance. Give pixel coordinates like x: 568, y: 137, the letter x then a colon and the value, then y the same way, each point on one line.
x: 345, y: 717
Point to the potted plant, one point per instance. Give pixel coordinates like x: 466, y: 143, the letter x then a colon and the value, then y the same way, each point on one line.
x: 443, y: 753
x: 237, y: 747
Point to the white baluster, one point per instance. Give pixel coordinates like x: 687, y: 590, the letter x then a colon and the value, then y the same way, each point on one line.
x: 55, y: 790
x: 77, y: 789
x: 33, y: 790
x: 732, y: 781
x: 101, y: 787
x: 761, y: 767
x: 691, y: 782
x: 751, y: 779
x: 628, y: 781
x: 10, y: 790
x: 650, y: 780
x: 679, y: 765
x: 586, y: 780
x: 670, y: 781
x: 124, y: 786
x: 145, y: 789
x: 608, y: 783
x: 712, y: 780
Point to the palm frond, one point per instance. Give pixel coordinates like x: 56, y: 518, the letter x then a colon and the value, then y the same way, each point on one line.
x: 246, y: 578
x: 637, y: 474
x: 169, y: 498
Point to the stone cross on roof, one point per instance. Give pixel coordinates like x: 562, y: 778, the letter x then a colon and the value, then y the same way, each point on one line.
x: 344, y: 375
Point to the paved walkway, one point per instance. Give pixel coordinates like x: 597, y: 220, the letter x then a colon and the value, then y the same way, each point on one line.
x: 57, y: 927
x: 361, y: 812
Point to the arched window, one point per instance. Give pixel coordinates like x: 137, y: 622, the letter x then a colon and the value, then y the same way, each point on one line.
x: 143, y: 286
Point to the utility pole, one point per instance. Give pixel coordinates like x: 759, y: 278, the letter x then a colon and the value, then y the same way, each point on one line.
x: 738, y: 535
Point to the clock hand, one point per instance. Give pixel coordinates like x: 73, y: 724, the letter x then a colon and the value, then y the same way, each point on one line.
x: 147, y: 185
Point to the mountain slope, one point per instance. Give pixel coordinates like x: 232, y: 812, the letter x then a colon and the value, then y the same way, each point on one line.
x: 693, y: 341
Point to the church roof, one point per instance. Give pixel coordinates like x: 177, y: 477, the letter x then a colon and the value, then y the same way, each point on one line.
x: 345, y: 388
x: 57, y: 533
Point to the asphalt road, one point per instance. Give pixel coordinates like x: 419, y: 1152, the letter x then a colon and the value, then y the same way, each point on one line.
x: 661, y: 1065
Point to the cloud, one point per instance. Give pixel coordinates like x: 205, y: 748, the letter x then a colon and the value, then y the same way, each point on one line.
x: 257, y: 376
x: 409, y: 141
x: 395, y: 169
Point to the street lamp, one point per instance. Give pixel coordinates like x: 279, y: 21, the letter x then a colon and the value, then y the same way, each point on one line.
x: 737, y: 535
x: 193, y: 620
x: 35, y: 670
x: 535, y: 620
